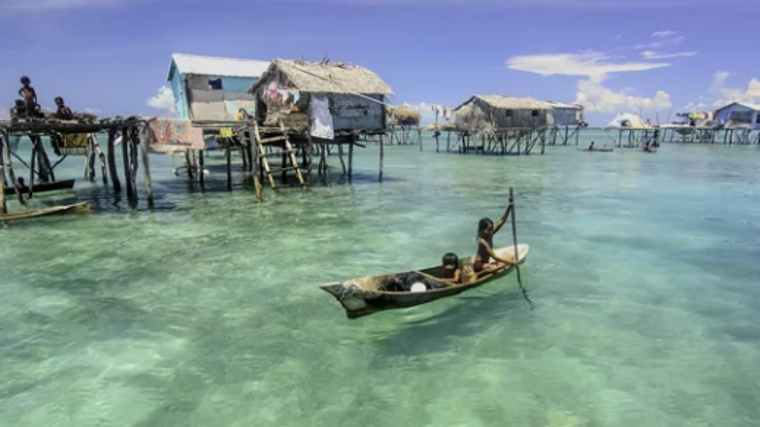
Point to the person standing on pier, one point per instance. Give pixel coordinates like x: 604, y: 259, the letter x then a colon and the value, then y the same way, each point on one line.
x: 29, y: 95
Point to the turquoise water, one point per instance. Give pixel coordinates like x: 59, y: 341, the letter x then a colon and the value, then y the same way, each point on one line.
x: 206, y: 312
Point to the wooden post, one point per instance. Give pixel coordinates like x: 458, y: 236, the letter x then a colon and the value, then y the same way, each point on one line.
x: 146, y: 164
x: 284, y: 165
x: 419, y: 133
x: 31, y: 173
x: 351, y: 157
x: 133, y: 161
x: 3, y: 206
x: 189, y: 164
x: 340, y: 157
x: 9, y: 165
x: 310, y: 152
x: 201, y: 163
x: 228, y: 158
x: 381, y: 158
x: 112, y: 161
x: 125, y: 141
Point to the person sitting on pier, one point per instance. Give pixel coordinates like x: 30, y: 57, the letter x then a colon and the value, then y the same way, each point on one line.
x: 591, y: 147
x: 63, y: 112
x: 486, y: 230
x: 29, y: 95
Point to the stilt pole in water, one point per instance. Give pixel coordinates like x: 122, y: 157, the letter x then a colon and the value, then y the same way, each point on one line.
x: 3, y: 206
x: 9, y: 165
x: 201, y: 164
x: 125, y: 141
x: 382, y: 152
x: 112, y: 161
x: 517, y: 254
x: 351, y: 158
x: 146, y: 164
x: 228, y: 158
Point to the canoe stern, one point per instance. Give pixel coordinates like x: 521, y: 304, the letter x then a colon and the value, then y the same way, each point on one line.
x: 348, y: 294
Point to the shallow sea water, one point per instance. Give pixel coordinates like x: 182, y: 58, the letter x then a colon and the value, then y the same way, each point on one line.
x: 205, y: 312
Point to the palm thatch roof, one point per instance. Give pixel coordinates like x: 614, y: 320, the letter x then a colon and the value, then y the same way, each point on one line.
x: 502, y: 102
x: 403, y: 115
x: 325, y: 77
x: 440, y: 127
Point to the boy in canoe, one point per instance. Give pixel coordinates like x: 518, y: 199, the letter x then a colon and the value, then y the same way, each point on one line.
x: 486, y: 230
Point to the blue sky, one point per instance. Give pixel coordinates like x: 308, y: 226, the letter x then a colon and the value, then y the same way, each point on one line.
x: 653, y: 56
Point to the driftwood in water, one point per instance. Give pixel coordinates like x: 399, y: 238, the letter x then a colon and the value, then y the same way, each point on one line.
x: 75, y: 208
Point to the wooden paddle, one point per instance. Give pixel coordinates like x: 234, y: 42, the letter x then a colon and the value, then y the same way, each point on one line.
x: 517, y: 255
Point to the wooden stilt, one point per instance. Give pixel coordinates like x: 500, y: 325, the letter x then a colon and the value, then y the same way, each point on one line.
x: 228, y: 158
x: 201, y: 165
x: 351, y: 158
x: 133, y: 160
x: 112, y: 161
x: 189, y: 164
x: 3, y: 205
x: 381, y: 157
x: 30, y: 184
x: 146, y: 164
x: 125, y: 141
x: 340, y: 156
x: 310, y: 152
x: 9, y: 166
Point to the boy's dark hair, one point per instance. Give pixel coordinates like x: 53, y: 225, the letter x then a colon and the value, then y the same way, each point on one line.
x: 483, y: 225
x: 58, y: 98
x: 451, y: 259
x: 25, y: 79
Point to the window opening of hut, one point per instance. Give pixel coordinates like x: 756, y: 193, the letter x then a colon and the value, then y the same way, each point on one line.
x: 534, y: 113
x: 509, y: 113
x: 215, y: 84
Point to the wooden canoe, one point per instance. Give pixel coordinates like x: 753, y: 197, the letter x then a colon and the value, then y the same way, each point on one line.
x: 362, y: 296
x: 54, y: 210
x: 598, y: 150
x: 43, y: 187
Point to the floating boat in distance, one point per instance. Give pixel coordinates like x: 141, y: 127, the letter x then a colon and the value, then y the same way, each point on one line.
x: 363, y: 296
x: 43, y: 187
x: 54, y: 210
x: 598, y: 150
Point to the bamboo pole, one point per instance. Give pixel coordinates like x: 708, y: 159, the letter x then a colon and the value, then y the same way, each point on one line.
x: 201, y: 164
x: 146, y: 164
x: 3, y: 205
x: 112, y: 161
x: 351, y: 158
x: 125, y: 141
x: 382, y: 152
x: 31, y: 173
x: 46, y: 170
x: 228, y: 159
x: 9, y: 165
x: 340, y: 157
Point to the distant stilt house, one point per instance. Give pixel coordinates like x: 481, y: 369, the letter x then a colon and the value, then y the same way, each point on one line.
x: 318, y: 106
x: 404, y: 123
x: 569, y: 119
x: 502, y: 124
x: 738, y: 120
x: 212, y: 88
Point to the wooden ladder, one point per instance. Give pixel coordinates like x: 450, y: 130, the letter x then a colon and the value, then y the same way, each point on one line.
x: 288, y: 149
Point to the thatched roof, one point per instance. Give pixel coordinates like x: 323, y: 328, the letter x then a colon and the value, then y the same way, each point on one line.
x: 509, y: 103
x: 326, y: 77
x: 403, y: 115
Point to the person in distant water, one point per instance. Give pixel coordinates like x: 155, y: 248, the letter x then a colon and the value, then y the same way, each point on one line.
x: 646, y: 146
x: 486, y: 230
x: 63, y: 112
x: 591, y: 147
x: 452, y: 273
x: 29, y: 95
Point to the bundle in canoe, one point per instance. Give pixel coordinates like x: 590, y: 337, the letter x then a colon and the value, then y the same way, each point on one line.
x: 363, y: 296
x: 598, y: 150
x: 55, y: 210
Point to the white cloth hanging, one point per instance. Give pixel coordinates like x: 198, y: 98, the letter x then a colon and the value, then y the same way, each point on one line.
x: 321, y: 119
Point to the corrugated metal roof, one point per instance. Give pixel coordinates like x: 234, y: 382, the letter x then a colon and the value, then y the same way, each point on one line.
x: 743, y: 104
x: 216, y: 66
x: 556, y: 104
x: 512, y: 103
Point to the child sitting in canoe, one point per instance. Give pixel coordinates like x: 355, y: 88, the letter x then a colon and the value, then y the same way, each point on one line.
x: 451, y: 270
x: 486, y: 230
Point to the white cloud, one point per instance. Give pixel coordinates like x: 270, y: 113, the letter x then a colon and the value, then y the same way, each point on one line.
x: 664, y: 34
x: 661, y: 42
x: 591, y: 64
x: 163, y: 100
x: 651, y: 54
x: 596, y: 98
x: 595, y: 66
x: 719, y: 79
x: 93, y: 110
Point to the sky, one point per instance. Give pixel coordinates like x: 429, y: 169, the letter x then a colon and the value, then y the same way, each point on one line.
x: 652, y: 57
